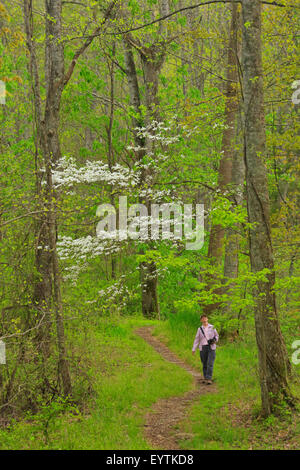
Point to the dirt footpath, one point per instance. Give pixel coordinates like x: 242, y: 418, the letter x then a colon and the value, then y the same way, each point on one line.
x: 161, y: 423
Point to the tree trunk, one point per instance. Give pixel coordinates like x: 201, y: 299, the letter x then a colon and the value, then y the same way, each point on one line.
x: 42, y: 290
x: 148, y: 272
x: 233, y: 237
x: 152, y: 59
x: 272, y: 356
x: 215, y: 249
x: 231, y: 261
x: 50, y: 144
x: 47, y: 288
x: 110, y: 151
x: 217, y: 232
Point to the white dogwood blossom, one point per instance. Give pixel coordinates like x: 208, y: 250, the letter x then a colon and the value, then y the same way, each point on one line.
x: 157, y: 131
x: 115, y: 296
x: 71, y: 273
x: 66, y: 173
x: 81, y: 248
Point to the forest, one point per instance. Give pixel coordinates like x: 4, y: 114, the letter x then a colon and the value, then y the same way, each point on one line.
x: 149, y: 209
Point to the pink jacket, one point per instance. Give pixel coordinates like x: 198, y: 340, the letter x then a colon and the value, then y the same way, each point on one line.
x: 201, y: 340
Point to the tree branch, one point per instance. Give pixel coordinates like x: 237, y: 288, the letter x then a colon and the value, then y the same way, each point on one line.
x: 89, y: 40
x: 192, y: 7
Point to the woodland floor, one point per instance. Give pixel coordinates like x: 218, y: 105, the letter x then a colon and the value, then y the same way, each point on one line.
x: 162, y: 423
x: 147, y: 397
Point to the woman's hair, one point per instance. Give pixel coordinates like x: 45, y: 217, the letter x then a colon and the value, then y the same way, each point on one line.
x: 203, y: 316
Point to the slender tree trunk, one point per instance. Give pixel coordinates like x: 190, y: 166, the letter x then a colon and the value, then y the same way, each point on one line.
x: 233, y: 237
x: 272, y: 356
x: 52, y: 153
x: 110, y: 152
x: 63, y: 365
x: 47, y: 288
x: 217, y: 232
x: 42, y: 291
x: 152, y: 59
x: 196, y: 72
x: 231, y: 261
x: 148, y: 271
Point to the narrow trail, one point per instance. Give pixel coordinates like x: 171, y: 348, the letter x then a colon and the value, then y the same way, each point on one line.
x: 161, y: 424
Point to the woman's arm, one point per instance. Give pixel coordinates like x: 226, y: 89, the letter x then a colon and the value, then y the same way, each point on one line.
x: 216, y: 335
x: 196, y: 341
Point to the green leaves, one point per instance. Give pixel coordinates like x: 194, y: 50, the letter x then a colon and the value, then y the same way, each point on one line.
x: 226, y: 214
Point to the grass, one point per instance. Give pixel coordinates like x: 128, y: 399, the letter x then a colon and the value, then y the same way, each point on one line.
x: 229, y: 419
x: 128, y: 376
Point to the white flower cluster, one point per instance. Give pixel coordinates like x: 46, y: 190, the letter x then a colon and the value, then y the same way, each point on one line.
x: 81, y: 248
x: 114, y: 290
x: 71, y: 273
x: 116, y: 294
x: 155, y: 131
x: 66, y: 173
x: 154, y: 195
x: 135, y: 149
x: 189, y: 131
x: 220, y: 125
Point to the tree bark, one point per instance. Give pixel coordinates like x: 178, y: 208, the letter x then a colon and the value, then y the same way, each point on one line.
x: 231, y: 261
x: 110, y: 152
x: 272, y: 356
x: 47, y: 292
x: 233, y: 234
x: 42, y: 291
x: 148, y: 272
x: 217, y: 232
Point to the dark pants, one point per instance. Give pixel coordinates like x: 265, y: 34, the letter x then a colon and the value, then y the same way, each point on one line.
x: 207, y: 356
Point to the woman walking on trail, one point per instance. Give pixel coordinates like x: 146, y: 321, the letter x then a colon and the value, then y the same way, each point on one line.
x: 206, y: 338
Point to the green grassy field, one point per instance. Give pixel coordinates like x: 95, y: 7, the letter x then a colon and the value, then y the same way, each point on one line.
x: 129, y: 376
x: 229, y: 419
